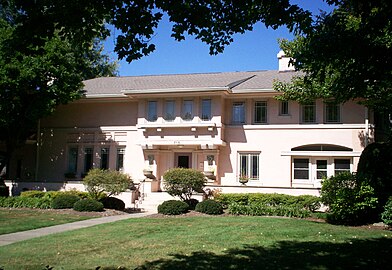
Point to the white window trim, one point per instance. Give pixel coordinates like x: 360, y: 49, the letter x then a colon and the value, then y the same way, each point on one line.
x: 313, y: 168
x: 256, y: 153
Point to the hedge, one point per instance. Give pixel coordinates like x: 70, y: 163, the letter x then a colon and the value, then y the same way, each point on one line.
x: 307, y: 202
x: 258, y: 209
x: 25, y: 202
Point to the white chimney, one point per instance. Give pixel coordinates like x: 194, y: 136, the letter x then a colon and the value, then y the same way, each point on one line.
x: 284, y: 62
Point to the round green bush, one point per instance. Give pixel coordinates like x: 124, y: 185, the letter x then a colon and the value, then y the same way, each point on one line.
x: 192, y: 203
x: 64, y: 201
x: 88, y: 205
x: 209, y: 207
x: 173, y: 207
x: 386, y: 216
x: 113, y: 203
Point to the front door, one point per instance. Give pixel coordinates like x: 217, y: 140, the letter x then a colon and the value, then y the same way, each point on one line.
x: 183, y: 160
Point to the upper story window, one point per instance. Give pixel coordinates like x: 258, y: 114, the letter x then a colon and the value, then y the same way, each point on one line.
x: 284, y: 107
x: 206, y: 109
x: 170, y: 106
x: 332, y: 112
x: 187, y: 110
x: 152, y: 111
x: 260, y: 112
x: 308, y: 114
x: 238, y: 112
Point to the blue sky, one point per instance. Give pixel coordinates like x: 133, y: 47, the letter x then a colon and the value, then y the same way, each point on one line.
x: 254, y: 50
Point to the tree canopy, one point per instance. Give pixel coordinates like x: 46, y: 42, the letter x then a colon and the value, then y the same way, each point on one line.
x: 41, y: 66
x: 345, y: 55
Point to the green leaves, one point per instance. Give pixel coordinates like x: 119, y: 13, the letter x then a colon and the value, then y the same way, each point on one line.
x: 346, y: 55
x: 183, y: 182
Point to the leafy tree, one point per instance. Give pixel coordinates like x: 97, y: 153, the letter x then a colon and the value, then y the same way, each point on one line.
x: 345, y: 55
x: 41, y: 66
x: 183, y: 182
x: 99, y: 182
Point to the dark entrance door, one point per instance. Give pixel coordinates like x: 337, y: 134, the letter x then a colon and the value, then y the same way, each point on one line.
x: 184, y: 160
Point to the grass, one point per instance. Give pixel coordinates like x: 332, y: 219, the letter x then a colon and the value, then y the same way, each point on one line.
x: 205, y: 243
x: 16, y: 220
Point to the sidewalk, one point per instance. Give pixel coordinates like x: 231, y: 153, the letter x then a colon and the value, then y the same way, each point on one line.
x: 7, y: 239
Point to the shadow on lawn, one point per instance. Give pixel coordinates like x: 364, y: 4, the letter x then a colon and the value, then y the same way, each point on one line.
x: 358, y: 254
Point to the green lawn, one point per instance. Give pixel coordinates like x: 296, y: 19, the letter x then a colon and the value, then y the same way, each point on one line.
x: 16, y: 220
x: 206, y: 243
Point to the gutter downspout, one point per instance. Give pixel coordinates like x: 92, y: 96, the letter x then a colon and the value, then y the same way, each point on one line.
x: 37, y: 150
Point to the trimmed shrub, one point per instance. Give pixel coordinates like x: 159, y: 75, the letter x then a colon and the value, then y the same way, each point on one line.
x: 229, y: 198
x: 32, y: 194
x: 64, y: 201
x: 209, y: 207
x: 349, y: 201
x: 192, y: 203
x: 386, y: 216
x: 25, y: 202
x: 88, y: 205
x: 99, y: 182
x: 307, y: 202
x: 113, y: 203
x: 257, y: 209
x: 173, y: 207
x: 183, y: 182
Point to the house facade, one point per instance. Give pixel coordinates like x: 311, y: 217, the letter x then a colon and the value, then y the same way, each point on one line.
x: 228, y: 125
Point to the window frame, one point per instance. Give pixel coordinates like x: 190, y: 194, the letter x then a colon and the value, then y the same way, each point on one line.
x: 308, y: 169
x: 87, y: 166
x: 249, y: 171
x: 120, y: 152
x: 336, y: 106
x: 185, y: 115
x: 166, y: 110
x: 310, y: 106
x: 242, y: 118
x: 263, y: 106
x: 105, y: 158
x: 209, y: 110
x: 69, y: 167
x: 281, y: 112
x: 150, y: 117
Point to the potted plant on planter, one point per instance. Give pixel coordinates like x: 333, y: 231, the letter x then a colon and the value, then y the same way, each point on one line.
x: 243, y: 179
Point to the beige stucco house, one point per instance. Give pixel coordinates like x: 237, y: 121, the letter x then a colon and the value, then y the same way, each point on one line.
x: 224, y: 124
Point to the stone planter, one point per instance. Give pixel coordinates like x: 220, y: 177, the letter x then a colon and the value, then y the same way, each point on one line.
x: 209, y: 175
x: 148, y: 173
